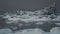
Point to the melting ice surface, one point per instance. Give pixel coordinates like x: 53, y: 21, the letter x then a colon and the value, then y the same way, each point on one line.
x: 55, y: 30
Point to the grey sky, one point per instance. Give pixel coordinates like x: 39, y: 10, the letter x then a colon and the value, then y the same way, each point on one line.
x: 11, y: 5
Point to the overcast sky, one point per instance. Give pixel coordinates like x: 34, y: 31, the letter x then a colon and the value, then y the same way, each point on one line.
x: 11, y: 5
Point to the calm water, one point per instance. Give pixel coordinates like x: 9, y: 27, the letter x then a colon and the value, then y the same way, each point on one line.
x: 55, y: 30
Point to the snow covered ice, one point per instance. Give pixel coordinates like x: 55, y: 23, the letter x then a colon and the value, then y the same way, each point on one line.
x: 55, y: 30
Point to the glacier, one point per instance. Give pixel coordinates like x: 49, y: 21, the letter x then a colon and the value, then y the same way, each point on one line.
x: 43, y: 21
